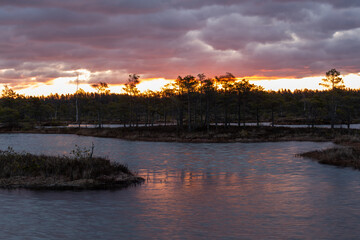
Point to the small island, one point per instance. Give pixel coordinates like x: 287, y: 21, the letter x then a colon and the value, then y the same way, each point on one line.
x: 25, y: 170
x: 344, y: 156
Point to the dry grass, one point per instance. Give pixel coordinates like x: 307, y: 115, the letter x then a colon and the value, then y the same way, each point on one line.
x: 341, y: 157
x: 14, y: 164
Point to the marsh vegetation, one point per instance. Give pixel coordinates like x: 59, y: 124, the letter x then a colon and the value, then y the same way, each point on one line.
x: 340, y: 156
x: 79, y: 171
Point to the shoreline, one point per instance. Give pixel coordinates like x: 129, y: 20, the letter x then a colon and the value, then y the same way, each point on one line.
x: 43, y: 183
x: 348, y: 139
x: 343, y: 157
x: 229, y: 134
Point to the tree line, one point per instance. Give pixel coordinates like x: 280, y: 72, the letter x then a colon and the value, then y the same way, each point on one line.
x: 190, y: 102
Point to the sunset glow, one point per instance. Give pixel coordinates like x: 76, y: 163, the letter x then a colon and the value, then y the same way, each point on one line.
x: 68, y: 85
x: 288, y: 44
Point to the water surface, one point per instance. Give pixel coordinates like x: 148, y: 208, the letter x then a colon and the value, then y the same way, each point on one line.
x: 192, y: 191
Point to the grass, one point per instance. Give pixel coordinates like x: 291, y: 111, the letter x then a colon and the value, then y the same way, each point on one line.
x: 341, y: 157
x: 25, y: 170
x: 26, y: 164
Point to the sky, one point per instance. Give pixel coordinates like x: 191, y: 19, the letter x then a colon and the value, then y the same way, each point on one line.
x: 45, y: 44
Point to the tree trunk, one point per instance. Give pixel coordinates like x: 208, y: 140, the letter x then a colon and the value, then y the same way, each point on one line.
x: 207, y: 114
x: 226, y: 110
x: 164, y: 106
x: 189, y: 113
x: 239, y: 110
x: 332, y: 110
x: 201, y: 111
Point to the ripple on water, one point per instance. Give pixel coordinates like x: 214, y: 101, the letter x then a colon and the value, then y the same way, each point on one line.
x: 201, y: 191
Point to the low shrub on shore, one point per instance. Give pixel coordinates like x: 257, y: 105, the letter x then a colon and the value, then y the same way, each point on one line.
x: 13, y: 164
x: 342, y: 157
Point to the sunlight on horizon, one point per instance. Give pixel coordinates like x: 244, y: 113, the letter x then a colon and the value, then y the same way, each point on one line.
x: 312, y: 83
x: 68, y: 86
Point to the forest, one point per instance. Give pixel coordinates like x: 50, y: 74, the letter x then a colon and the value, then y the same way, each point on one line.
x: 191, y: 102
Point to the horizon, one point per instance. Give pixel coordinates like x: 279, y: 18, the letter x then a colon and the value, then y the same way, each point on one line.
x: 68, y: 85
x: 45, y: 44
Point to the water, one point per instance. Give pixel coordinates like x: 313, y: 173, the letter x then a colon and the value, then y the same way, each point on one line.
x: 352, y: 126
x: 193, y: 191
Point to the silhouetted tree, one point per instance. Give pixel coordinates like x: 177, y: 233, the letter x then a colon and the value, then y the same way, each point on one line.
x: 224, y: 98
x: 9, y: 117
x: 102, y: 89
x: 201, y: 78
x: 189, y: 84
x: 333, y: 81
x: 209, y: 90
x: 227, y: 83
x: 242, y: 88
x: 131, y: 89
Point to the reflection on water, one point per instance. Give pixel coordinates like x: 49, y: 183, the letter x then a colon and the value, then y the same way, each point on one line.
x: 192, y: 191
x: 85, y: 125
x: 351, y: 126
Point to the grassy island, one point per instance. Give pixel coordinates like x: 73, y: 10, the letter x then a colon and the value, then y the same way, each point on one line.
x: 340, y: 156
x: 25, y: 170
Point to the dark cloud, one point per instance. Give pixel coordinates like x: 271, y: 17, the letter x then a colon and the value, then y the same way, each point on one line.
x: 240, y: 31
x: 40, y: 74
x: 46, y: 39
x: 105, y: 6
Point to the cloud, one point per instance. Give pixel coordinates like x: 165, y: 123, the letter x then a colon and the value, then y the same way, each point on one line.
x: 240, y: 31
x: 45, y: 39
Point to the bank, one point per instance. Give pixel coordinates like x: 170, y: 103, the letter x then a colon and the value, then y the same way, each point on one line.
x: 219, y: 134
x: 348, y: 139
